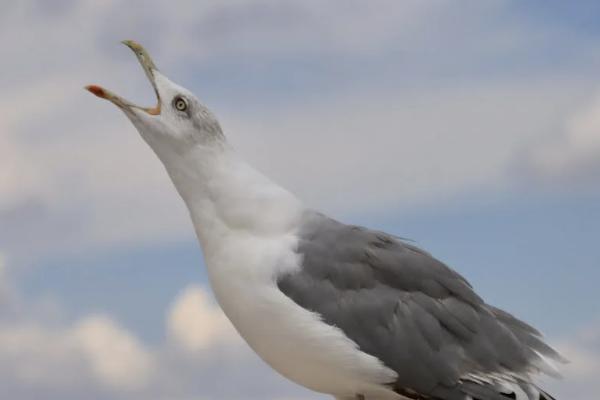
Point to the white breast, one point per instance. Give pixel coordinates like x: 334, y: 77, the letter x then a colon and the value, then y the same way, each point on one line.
x: 246, y: 227
x: 292, y: 340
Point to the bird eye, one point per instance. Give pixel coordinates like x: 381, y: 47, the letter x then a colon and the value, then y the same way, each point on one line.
x: 180, y: 104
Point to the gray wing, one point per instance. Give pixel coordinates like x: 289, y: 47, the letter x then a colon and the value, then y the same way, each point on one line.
x: 412, y: 312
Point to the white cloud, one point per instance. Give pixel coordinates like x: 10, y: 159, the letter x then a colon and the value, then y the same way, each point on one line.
x: 379, y: 150
x: 574, y: 155
x: 117, y: 358
x: 95, y: 357
x: 34, y: 356
x: 95, y: 351
x: 580, y: 376
x: 39, y: 353
x: 194, y: 322
x: 74, y: 174
x: 74, y: 165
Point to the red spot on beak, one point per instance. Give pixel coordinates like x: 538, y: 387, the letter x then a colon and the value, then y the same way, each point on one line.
x: 97, y: 90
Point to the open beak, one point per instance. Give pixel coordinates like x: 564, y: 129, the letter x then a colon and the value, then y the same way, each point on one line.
x: 149, y: 68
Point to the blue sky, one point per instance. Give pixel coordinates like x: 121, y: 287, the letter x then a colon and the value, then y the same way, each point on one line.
x: 472, y: 128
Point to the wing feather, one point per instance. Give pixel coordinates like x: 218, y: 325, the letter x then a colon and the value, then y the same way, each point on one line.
x: 411, y: 311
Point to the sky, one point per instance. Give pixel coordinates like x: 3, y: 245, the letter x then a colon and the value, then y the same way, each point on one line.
x: 469, y: 127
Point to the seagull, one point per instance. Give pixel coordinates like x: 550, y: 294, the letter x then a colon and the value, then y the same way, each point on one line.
x: 343, y: 310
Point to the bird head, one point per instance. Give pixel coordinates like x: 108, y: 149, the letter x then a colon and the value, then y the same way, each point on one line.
x: 178, y: 122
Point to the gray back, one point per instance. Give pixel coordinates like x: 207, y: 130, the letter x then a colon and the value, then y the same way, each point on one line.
x: 415, y: 314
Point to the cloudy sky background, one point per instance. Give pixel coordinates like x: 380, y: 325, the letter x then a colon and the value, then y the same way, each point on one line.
x: 470, y: 127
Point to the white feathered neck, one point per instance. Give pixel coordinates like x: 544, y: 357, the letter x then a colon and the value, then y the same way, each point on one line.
x: 223, y: 193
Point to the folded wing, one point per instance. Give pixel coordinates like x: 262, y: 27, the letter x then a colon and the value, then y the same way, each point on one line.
x: 415, y: 314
